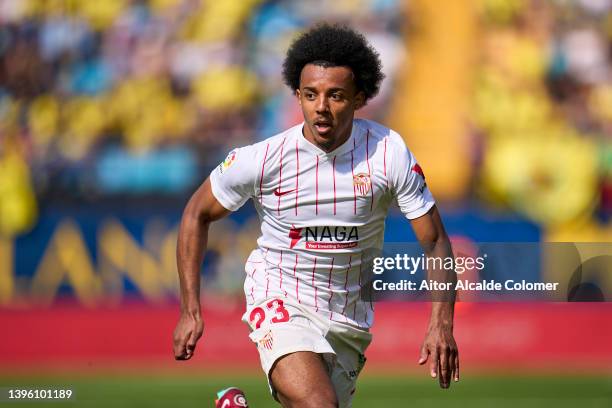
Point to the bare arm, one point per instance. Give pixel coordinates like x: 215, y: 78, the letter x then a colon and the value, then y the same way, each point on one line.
x: 439, y: 341
x: 201, y: 210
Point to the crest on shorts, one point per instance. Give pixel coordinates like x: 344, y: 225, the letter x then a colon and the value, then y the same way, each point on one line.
x: 362, y: 183
x: 229, y: 160
x: 266, y: 341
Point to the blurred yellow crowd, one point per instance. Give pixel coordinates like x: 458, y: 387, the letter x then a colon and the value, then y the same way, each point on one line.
x: 140, y: 106
x: 42, y: 116
x: 543, y: 109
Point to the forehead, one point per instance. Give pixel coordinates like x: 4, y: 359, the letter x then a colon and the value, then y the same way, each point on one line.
x: 318, y: 77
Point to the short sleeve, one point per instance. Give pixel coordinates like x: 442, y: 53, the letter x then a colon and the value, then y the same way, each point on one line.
x: 407, y: 181
x: 233, y: 181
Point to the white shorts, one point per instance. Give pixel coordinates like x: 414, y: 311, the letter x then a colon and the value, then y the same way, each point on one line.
x: 280, y: 327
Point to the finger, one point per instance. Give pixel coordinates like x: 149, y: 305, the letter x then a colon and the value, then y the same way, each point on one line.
x: 433, y: 364
x: 440, y: 378
x: 451, y: 366
x: 424, y: 355
x: 444, y: 373
x: 191, y: 345
x: 179, y: 352
x: 457, y: 367
x: 176, y: 348
x: 179, y: 348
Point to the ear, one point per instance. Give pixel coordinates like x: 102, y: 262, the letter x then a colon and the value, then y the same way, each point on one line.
x: 360, y: 100
x: 298, y: 94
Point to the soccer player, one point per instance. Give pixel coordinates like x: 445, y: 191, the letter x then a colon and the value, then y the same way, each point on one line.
x: 322, y: 190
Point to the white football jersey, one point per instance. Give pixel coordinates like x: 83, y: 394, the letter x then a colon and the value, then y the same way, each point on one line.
x: 322, y: 214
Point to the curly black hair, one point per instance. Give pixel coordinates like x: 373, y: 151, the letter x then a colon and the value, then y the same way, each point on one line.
x: 334, y: 45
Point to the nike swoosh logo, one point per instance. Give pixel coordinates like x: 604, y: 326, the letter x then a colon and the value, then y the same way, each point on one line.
x: 279, y: 193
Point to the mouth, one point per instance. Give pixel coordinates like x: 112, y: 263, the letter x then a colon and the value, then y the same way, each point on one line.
x: 323, y: 127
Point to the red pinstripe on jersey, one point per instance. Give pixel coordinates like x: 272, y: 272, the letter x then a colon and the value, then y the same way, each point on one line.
x: 385, y: 164
x: 253, y: 278
x: 334, y: 175
x: 297, y: 282
x: 346, y: 284
x: 280, y: 270
x: 262, y: 174
x: 280, y: 175
x: 254, y: 269
x: 354, y: 186
x: 297, y: 174
x: 314, y: 266
x: 267, y: 271
x: 317, y: 188
x: 369, y: 172
x: 329, y: 287
x: 253, y: 287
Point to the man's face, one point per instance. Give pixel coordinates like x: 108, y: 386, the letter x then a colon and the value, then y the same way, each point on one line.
x: 329, y: 99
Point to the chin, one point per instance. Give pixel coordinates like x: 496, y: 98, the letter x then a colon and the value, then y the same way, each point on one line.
x: 328, y: 138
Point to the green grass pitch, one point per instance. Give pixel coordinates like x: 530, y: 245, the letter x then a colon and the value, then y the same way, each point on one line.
x: 167, y: 391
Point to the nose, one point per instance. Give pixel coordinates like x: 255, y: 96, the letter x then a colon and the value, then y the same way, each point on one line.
x: 322, y: 105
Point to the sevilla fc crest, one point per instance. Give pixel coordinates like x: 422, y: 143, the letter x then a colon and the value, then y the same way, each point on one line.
x: 362, y: 183
x: 266, y: 341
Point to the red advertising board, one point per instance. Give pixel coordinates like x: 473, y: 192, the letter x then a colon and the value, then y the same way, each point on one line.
x: 490, y: 336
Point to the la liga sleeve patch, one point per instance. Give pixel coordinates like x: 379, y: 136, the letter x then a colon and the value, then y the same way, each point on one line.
x: 229, y: 160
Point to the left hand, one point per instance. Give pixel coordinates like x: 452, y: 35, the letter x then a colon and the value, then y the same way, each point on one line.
x: 188, y: 331
x: 444, y: 362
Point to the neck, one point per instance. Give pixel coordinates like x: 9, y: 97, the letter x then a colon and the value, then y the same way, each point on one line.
x: 327, y: 146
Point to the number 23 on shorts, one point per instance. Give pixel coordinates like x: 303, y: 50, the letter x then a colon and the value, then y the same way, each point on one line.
x: 275, y: 306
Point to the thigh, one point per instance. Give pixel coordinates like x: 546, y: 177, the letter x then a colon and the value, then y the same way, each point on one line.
x: 301, y: 379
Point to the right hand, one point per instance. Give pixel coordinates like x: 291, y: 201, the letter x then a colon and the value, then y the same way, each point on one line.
x: 186, y: 334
